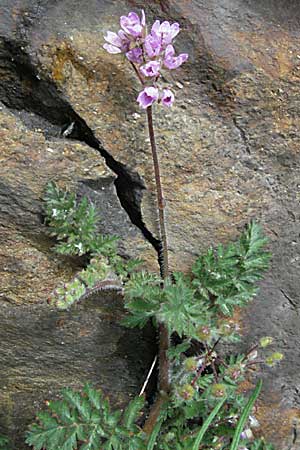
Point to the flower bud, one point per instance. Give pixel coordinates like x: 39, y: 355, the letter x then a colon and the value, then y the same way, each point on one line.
x: 228, y: 327
x: 170, y: 436
x: 265, y: 341
x: 246, y: 434
x: 186, y: 391
x: 190, y: 364
x: 233, y: 372
x: 203, y: 333
x: 274, y: 358
x: 218, y: 390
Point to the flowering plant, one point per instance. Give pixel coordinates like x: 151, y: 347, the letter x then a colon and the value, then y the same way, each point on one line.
x: 149, y: 54
x: 198, y: 404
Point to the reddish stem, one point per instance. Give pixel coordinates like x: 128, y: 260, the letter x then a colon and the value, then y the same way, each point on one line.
x: 164, y: 339
x: 159, y: 196
x: 198, y: 374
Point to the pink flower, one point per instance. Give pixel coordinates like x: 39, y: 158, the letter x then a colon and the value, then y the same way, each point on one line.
x: 132, y: 24
x: 117, y: 43
x: 151, y: 69
x: 135, y: 55
x: 167, y: 98
x: 152, y: 45
x: 148, y: 53
x: 171, y: 61
x: 165, y: 31
x: 148, y: 96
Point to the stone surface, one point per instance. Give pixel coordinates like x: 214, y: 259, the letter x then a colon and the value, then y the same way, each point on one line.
x: 45, y: 350
x: 229, y: 148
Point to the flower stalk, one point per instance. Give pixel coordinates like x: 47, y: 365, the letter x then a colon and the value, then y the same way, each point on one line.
x: 159, y: 197
x: 148, y: 54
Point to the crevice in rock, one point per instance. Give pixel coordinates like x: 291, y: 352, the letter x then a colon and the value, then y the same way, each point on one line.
x: 23, y: 88
x: 290, y: 300
x: 242, y: 134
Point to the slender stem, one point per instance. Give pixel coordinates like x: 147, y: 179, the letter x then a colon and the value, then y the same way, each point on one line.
x: 159, y: 191
x: 214, y: 371
x: 160, y: 197
x: 164, y: 338
x: 251, y: 363
x: 198, y: 374
x: 137, y: 73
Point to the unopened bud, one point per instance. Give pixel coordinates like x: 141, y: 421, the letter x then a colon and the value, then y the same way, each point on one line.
x: 190, y: 364
x: 186, y: 392
x: 265, y: 341
x: 246, y: 434
x: 203, y: 333
x: 274, y: 358
x: 218, y: 390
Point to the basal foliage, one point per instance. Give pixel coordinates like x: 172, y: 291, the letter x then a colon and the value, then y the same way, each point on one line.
x: 74, y: 224
x: 192, y: 305
x: 85, y: 421
x: 204, y: 408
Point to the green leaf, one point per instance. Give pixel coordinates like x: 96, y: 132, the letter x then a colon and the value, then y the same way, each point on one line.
x: 175, y: 352
x: 132, y: 411
x: 74, y: 223
x: 207, y: 423
x: 153, y: 436
x: 225, y: 278
x: 4, y: 443
x: 244, y: 417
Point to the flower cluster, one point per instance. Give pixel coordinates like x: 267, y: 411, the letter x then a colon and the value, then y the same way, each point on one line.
x: 148, y: 53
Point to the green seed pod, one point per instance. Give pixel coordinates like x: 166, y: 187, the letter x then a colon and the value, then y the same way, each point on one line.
x: 227, y: 327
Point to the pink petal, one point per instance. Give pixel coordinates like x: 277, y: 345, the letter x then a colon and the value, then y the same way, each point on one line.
x: 133, y: 17
x: 165, y: 27
x: 135, y: 55
x: 148, y: 96
x: 151, y: 69
x: 183, y: 57
x: 167, y: 98
x: 155, y: 27
x: 143, y: 19
x: 111, y: 49
x: 170, y: 51
x: 113, y: 38
x: 175, y: 28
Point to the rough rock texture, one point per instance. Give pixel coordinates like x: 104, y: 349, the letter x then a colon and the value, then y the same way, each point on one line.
x: 229, y: 149
x: 44, y: 350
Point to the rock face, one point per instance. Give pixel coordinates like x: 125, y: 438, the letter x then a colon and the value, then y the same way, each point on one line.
x: 229, y: 150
